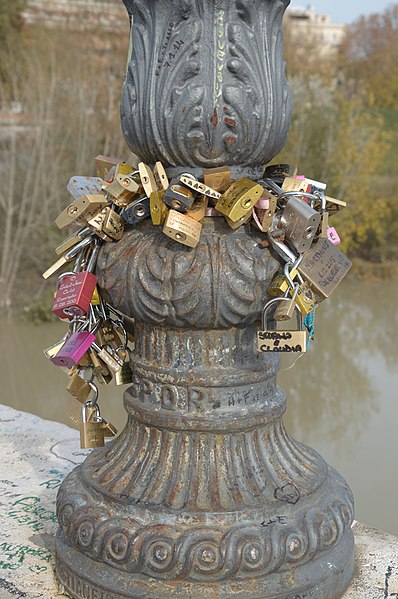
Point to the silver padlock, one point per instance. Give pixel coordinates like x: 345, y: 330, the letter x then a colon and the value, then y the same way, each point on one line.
x: 272, y: 340
x: 300, y: 223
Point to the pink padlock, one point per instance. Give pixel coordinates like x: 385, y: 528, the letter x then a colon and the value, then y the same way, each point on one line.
x: 74, y: 349
x: 333, y: 236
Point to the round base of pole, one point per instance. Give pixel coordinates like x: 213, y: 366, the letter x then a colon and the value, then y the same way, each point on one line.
x: 84, y: 578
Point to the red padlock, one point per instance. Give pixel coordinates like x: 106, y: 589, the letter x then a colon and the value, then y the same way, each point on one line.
x: 75, y: 289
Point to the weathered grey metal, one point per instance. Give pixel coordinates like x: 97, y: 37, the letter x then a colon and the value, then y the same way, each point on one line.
x: 205, y: 83
x: 203, y: 494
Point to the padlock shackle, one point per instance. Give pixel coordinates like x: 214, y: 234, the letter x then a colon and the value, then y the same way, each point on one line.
x: 275, y: 300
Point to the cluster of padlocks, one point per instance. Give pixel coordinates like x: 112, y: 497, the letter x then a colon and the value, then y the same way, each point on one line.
x: 292, y: 211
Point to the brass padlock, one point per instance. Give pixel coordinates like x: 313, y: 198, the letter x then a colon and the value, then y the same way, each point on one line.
x: 198, y: 210
x: 92, y: 433
x: 113, y: 224
x: 183, y: 229
x: 84, y: 207
x: 96, y: 223
x: 279, y: 285
x: 103, y: 165
x: 324, y: 266
x: 108, y: 428
x: 272, y: 340
x: 147, y: 179
x: 293, y: 184
x: 242, y: 221
x: 285, y: 310
x: 218, y: 178
x: 239, y: 198
x: 306, y: 298
x: 78, y: 387
x: 73, y: 239
x: 125, y: 375
x: 160, y: 175
x: 157, y: 207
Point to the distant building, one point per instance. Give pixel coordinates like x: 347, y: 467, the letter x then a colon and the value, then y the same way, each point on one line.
x: 78, y: 15
x: 305, y: 24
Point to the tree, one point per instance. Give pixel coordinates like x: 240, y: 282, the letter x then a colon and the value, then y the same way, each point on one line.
x: 369, y: 57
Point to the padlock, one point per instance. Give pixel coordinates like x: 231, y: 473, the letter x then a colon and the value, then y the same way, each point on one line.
x: 333, y: 236
x: 324, y: 266
x: 279, y: 285
x: 323, y: 227
x: 136, y: 211
x: 108, y: 428
x: 272, y: 340
x: 147, y: 179
x: 109, y: 357
x: 75, y: 289
x: 306, y: 299
x: 179, y: 197
x: 242, y: 221
x: 239, y: 198
x: 285, y: 310
x: 67, y: 257
x: 334, y: 205
x: 157, y: 207
x: 73, y: 349
x: 278, y: 172
x: 183, y: 229
x: 122, y: 192
x: 101, y: 371
x: 299, y: 223
x: 84, y: 207
x: 113, y: 224
x: 266, y: 215
x: 125, y: 375
x: 198, y: 210
x: 91, y: 430
x: 96, y: 223
x: 103, y: 164
x: 217, y: 178
x: 293, y: 184
x: 199, y: 187
x: 95, y: 300
x: 161, y: 179
x: 78, y: 387
x: 73, y: 239
x: 53, y: 349
x: 80, y: 185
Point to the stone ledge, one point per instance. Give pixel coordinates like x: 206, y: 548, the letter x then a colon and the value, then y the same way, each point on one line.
x: 37, y: 454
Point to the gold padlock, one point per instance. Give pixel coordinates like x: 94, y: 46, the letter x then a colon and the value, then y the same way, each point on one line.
x: 147, y: 179
x: 272, y: 340
x: 161, y: 178
x: 218, y: 178
x: 108, y: 428
x: 92, y: 433
x: 79, y: 388
x: 293, y: 184
x: 183, y: 229
x: 157, y: 207
x: 280, y: 284
x: 113, y: 224
x: 84, y: 207
x: 96, y: 223
x: 305, y: 298
x: 125, y: 375
x: 285, y: 310
x: 198, y: 210
x: 239, y: 198
x: 103, y: 165
x: 266, y: 215
x: 242, y: 221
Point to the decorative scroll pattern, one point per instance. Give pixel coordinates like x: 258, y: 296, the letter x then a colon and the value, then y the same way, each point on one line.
x: 219, y: 284
x: 170, y: 552
x: 205, y: 84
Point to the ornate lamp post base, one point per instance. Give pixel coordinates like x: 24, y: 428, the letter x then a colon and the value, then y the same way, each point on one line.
x: 203, y: 494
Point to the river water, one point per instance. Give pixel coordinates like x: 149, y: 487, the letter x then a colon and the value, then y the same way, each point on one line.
x: 342, y: 395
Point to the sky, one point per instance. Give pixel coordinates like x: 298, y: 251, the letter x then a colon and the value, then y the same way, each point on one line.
x: 343, y: 11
